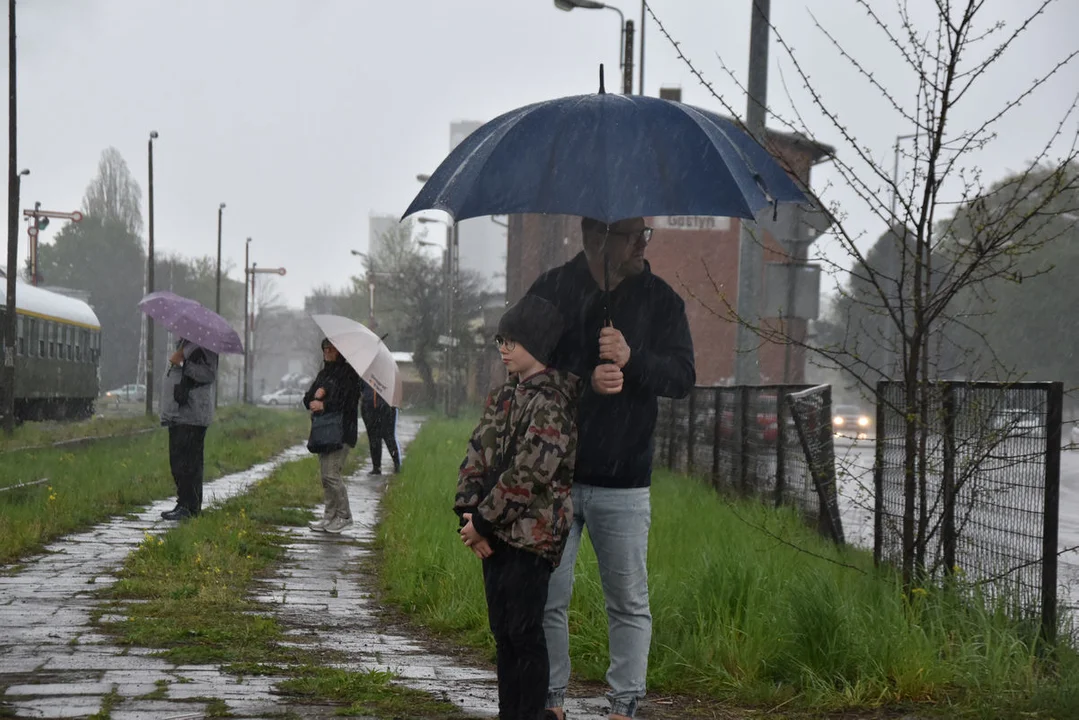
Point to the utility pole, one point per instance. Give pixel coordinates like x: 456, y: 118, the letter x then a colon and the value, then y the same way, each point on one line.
x: 627, y: 60
x: 247, y: 324
x: 150, y: 278
x: 255, y: 270
x: 217, y: 300
x: 750, y: 241
x: 13, y: 182
x: 640, y: 71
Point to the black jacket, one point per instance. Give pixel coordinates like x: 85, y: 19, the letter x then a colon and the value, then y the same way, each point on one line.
x: 342, y: 395
x: 615, y: 432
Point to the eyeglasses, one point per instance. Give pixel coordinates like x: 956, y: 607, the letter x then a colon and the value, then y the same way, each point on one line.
x: 644, y: 235
x: 508, y: 345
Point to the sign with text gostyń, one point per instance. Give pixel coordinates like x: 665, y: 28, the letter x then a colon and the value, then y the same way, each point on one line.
x: 706, y: 223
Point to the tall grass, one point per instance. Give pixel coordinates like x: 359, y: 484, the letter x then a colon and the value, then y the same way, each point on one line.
x: 110, y: 476
x: 748, y: 605
x: 33, y: 434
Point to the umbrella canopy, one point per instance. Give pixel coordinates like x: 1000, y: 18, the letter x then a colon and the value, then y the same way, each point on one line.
x: 608, y: 157
x: 366, y: 353
x: 192, y: 321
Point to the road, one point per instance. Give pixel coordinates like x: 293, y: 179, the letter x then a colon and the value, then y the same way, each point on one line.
x: 854, y: 464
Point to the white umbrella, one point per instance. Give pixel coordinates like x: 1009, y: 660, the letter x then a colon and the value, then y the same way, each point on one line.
x: 366, y: 353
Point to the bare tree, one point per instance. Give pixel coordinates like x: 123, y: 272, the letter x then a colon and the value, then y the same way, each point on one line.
x: 934, y: 259
x: 113, y: 195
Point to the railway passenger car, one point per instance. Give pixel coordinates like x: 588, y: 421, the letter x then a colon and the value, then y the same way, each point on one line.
x: 57, y: 351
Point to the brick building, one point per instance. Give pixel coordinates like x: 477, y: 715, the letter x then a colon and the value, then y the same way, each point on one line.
x: 698, y: 257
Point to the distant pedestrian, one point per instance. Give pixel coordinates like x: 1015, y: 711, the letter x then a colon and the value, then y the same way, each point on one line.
x: 336, y: 389
x: 513, y: 498
x: 187, y: 409
x: 380, y: 420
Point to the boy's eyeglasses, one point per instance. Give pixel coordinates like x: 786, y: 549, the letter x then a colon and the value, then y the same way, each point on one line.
x: 501, y: 342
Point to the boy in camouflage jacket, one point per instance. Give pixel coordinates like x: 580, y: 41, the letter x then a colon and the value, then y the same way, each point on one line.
x: 513, y: 498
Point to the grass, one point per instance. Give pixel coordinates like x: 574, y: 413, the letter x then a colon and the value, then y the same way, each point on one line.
x: 738, y: 614
x: 112, y: 476
x: 187, y: 594
x: 36, y: 434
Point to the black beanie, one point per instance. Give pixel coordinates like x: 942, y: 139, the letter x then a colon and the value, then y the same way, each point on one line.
x: 534, y: 323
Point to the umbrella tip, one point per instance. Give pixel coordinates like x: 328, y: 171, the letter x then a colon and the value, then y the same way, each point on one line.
x: 601, y: 90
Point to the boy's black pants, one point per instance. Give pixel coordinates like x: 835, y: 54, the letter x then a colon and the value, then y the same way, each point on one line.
x: 186, y: 446
x: 516, y: 585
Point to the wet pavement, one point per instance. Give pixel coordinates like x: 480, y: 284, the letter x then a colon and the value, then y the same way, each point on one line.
x: 53, y: 663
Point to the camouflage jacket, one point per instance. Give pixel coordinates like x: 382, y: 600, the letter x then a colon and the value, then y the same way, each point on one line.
x: 525, y: 446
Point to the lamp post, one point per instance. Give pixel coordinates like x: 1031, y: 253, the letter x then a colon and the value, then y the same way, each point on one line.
x: 369, y: 279
x: 247, y: 326
x: 625, y: 47
x: 217, y: 300
x: 252, y: 272
x: 450, y: 270
x: 150, y: 276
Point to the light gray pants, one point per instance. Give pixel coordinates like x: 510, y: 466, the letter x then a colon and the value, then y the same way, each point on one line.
x: 333, y: 484
x: 618, y: 521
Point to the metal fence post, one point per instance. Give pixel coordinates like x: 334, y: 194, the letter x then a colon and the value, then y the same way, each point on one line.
x: 878, y: 476
x: 781, y: 444
x: 948, y: 537
x: 717, y: 401
x: 743, y: 438
x: 691, y: 432
x: 1053, y: 417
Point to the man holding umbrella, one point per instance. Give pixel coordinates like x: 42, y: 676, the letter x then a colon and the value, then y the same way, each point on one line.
x: 627, y: 330
x: 187, y: 409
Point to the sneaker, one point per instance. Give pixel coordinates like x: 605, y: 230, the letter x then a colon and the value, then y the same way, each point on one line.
x: 319, y: 525
x: 375, y: 471
x: 336, y: 525
x: 180, y: 513
x: 169, y: 514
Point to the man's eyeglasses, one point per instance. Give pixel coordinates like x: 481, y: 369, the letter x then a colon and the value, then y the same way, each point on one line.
x: 501, y: 342
x: 644, y: 235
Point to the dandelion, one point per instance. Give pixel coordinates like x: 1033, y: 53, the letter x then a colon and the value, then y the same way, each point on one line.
x: 920, y: 592
x: 52, y: 497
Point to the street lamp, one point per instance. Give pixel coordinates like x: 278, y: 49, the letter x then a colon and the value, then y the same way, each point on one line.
x: 247, y: 318
x: 450, y: 269
x: 370, y: 287
x: 625, y: 59
x: 150, y: 277
x: 254, y: 270
x: 217, y: 301
x: 9, y: 330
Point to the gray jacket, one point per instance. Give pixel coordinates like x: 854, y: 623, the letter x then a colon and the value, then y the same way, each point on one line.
x: 202, y: 370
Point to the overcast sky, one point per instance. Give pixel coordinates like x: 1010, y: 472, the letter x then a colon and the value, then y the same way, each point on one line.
x: 304, y: 116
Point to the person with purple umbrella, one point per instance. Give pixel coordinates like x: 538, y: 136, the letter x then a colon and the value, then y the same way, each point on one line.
x: 187, y: 409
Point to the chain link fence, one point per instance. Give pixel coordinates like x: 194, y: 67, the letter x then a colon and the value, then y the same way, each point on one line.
x: 981, y: 502
x: 746, y: 440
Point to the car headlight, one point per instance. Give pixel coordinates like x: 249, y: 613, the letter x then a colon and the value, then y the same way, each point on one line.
x: 863, y: 421
x: 837, y: 421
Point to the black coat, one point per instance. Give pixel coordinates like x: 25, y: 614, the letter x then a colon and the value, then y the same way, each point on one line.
x: 342, y: 386
x: 615, y: 432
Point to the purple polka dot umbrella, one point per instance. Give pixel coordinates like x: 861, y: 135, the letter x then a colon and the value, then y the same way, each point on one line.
x: 191, y: 321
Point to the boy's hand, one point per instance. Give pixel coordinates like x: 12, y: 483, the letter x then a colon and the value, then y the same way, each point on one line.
x: 607, y: 379
x: 473, y: 540
x: 320, y: 393
x: 613, y: 347
x: 315, y: 406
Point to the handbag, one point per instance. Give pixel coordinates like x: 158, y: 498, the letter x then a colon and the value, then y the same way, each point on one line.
x: 327, y: 433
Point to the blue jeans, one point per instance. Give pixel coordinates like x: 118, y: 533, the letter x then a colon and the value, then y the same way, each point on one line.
x: 618, y: 521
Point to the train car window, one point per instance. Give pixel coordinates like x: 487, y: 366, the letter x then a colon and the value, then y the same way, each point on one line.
x: 20, y: 331
x: 52, y: 338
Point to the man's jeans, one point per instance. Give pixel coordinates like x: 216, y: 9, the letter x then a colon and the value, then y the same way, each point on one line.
x: 618, y: 521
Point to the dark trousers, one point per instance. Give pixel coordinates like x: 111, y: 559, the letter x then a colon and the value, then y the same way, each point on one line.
x: 186, y: 445
x: 516, y: 586
x: 381, y: 425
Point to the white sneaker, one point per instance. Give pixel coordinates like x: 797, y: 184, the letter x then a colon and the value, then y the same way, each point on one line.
x: 336, y: 525
x: 319, y: 525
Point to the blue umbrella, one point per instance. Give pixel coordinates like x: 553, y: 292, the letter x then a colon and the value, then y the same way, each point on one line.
x: 608, y: 157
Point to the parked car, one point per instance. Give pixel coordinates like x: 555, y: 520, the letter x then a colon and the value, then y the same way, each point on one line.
x: 851, y: 421
x: 282, y: 396
x: 133, y: 392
